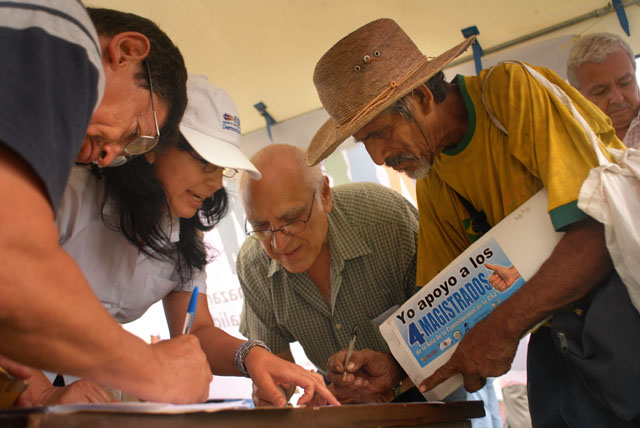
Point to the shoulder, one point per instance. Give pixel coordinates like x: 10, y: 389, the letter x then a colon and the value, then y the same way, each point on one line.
x: 517, y: 76
x: 368, y: 197
x: 63, y: 71
x: 66, y: 21
x: 504, y: 71
x: 64, y: 27
x: 369, y: 203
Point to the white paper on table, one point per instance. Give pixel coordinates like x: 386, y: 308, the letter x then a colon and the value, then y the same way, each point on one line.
x: 147, y: 407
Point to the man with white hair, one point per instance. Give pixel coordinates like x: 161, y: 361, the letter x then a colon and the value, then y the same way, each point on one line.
x: 321, y: 261
x: 602, y: 67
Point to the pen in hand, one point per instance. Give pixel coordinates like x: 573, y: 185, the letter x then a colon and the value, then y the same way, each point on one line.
x: 191, y: 311
x: 352, y: 343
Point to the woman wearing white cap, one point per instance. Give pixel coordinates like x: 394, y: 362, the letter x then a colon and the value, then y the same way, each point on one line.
x: 136, y: 233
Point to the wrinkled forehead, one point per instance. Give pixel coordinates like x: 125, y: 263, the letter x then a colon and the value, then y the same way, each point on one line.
x: 269, y: 203
x: 616, y: 65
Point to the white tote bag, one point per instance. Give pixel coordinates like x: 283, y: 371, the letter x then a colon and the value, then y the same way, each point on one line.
x: 609, y: 194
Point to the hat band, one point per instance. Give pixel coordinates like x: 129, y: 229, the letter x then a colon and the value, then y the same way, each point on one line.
x: 383, y: 96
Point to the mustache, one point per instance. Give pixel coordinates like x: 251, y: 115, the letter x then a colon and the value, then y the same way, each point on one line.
x: 398, y: 159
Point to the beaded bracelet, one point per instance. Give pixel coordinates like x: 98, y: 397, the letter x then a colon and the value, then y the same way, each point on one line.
x: 241, y: 354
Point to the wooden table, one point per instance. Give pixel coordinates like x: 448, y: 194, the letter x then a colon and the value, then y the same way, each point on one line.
x: 441, y: 415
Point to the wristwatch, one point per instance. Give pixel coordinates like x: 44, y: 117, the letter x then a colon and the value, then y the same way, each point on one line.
x: 397, y: 390
x: 403, y: 386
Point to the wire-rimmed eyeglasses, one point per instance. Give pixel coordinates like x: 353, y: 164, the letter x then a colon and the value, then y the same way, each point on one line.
x: 288, y: 229
x: 142, y: 143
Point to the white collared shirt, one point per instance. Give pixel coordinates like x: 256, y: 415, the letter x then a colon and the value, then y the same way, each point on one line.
x: 126, y: 281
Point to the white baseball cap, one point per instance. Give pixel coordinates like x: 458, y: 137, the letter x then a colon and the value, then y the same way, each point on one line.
x: 212, y: 127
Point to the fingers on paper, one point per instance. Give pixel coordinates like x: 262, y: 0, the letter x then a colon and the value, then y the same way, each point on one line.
x: 317, y: 387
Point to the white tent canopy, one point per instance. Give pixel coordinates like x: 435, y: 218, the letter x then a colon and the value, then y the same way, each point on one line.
x: 267, y: 50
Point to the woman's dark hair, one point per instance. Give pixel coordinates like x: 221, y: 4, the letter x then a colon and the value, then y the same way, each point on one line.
x: 143, y: 209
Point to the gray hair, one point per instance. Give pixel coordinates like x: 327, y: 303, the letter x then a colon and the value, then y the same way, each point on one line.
x: 400, y: 107
x: 438, y: 86
x: 594, y: 48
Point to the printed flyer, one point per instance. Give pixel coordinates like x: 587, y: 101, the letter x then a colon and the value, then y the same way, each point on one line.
x: 423, y: 333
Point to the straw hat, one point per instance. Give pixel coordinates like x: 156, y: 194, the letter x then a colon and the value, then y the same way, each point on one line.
x: 364, y: 73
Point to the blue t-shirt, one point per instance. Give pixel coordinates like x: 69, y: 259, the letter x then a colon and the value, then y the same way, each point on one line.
x: 51, y: 80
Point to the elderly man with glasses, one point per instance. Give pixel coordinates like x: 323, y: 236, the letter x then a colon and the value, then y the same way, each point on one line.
x: 74, y: 86
x: 320, y: 261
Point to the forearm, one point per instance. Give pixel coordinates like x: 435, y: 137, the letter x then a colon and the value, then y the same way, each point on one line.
x: 577, y: 264
x: 52, y: 320
x: 219, y: 347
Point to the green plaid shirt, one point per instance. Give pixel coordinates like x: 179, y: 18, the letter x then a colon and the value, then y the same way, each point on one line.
x: 372, y: 240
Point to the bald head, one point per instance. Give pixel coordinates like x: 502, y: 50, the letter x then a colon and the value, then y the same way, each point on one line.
x: 292, y: 199
x: 281, y: 163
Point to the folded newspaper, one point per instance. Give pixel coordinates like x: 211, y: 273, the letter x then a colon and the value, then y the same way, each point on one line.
x: 423, y: 333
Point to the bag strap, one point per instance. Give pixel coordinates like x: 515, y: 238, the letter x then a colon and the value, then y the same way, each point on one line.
x: 561, y: 95
x: 494, y: 119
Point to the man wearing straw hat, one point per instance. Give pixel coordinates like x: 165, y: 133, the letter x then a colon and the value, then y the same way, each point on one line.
x: 479, y: 147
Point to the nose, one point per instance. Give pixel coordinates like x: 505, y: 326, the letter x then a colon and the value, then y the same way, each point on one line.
x: 108, y: 153
x: 376, y: 152
x: 279, y: 240
x: 616, y: 96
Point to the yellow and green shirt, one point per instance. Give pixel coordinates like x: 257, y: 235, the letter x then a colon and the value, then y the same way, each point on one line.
x: 496, y: 172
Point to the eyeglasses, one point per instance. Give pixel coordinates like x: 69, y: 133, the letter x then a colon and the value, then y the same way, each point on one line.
x: 142, y: 143
x: 208, y: 167
x: 226, y: 172
x: 288, y: 229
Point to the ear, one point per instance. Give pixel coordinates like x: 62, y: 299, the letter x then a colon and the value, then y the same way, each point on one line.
x: 325, y: 195
x: 129, y: 47
x: 422, y: 99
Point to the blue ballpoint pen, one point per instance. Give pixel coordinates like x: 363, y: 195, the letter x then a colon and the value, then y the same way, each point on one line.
x: 191, y: 311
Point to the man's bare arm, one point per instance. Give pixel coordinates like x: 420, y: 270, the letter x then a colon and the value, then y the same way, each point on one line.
x: 577, y: 264
x: 50, y: 318
x: 267, y: 371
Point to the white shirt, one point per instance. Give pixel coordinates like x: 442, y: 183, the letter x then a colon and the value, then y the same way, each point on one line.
x: 125, y: 280
x: 632, y: 137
